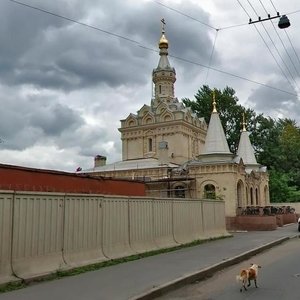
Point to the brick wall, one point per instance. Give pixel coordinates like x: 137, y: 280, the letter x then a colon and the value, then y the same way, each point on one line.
x: 30, y: 179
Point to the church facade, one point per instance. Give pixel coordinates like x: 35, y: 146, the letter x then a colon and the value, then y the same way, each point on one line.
x: 178, y: 155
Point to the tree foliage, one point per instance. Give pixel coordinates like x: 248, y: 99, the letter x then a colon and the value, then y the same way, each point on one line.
x: 276, y: 142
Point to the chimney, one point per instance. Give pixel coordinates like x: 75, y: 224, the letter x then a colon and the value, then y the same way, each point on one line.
x: 163, y: 150
x: 99, y: 161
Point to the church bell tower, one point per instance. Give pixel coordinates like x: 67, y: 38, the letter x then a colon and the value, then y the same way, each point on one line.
x: 164, y: 76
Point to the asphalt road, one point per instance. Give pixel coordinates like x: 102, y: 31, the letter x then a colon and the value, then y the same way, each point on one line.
x: 279, y: 278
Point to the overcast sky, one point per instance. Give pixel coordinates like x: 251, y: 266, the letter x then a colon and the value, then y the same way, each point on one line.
x: 64, y: 87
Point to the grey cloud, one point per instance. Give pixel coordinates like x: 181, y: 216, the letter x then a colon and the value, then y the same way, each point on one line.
x: 55, y: 119
x: 29, y: 120
x: 272, y: 102
x: 52, y: 53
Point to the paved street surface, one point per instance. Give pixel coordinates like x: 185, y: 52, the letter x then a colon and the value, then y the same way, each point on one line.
x: 127, y: 280
x: 279, y: 278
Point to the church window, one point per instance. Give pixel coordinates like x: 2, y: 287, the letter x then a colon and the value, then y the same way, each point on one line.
x: 179, y: 191
x: 209, y: 191
x: 131, y: 123
x: 150, y: 146
x: 256, y: 197
x: 167, y: 118
x: 159, y: 87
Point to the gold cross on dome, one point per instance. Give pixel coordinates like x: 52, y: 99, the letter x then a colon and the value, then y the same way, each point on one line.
x: 163, y: 24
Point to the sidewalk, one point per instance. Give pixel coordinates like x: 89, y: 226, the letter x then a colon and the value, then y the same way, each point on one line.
x: 144, y: 278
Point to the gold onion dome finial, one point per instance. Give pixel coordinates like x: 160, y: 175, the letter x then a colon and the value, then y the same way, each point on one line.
x: 214, y: 102
x: 163, y: 42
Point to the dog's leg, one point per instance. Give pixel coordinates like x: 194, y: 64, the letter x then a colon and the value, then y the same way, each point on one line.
x: 255, y: 283
x: 244, y: 285
x: 249, y: 282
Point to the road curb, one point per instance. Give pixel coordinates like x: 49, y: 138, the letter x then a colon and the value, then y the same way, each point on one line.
x: 206, y: 272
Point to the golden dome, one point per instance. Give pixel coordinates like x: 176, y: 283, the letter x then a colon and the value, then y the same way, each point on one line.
x: 163, y: 42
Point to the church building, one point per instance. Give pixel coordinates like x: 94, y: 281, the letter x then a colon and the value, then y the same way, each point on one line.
x: 178, y: 155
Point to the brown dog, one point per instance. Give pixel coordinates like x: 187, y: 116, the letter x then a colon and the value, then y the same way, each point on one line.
x: 248, y: 275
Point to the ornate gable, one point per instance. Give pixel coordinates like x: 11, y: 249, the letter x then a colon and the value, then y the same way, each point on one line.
x: 145, y: 109
x: 148, y: 118
x: 131, y: 121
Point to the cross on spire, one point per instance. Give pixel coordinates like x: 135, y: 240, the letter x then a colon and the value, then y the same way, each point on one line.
x: 214, y: 102
x: 244, y: 123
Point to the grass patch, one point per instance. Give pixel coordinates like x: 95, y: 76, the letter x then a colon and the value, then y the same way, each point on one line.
x: 93, y: 267
x: 12, y: 286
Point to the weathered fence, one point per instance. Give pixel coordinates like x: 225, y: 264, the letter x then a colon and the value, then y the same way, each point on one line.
x: 41, y: 233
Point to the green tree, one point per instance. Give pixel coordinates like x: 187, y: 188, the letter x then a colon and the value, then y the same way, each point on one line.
x: 230, y: 112
x: 278, y: 187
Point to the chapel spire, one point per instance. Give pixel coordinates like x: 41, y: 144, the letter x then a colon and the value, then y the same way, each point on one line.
x: 245, y: 149
x: 215, y: 142
x: 164, y: 75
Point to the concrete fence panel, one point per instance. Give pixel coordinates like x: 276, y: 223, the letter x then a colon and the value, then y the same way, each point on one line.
x: 6, y: 204
x: 37, y: 234
x: 214, y: 220
x: 209, y: 217
x: 82, y: 230
x: 163, y: 223
x: 141, y: 225
x: 41, y: 233
x: 187, y: 221
x: 220, y: 221
x: 115, y: 226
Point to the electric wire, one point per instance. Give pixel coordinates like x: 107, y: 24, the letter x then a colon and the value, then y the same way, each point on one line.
x: 197, y: 20
x: 184, y: 14
x: 282, y: 43
x: 233, y: 26
x: 296, y: 54
x: 211, y: 55
x: 266, y: 44
x: 273, y: 5
x: 147, y: 48
x: 221, y: 71
x: 288, y: 37
x: 74, y: 21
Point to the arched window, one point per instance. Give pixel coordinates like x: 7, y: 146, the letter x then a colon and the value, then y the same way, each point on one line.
x: 251, y: 196
x: 159, y: 88
x: 240, y: 193
x: 256, y: 196
x: 150, y: 146
x: 179, y: 191
x: 209, y: 191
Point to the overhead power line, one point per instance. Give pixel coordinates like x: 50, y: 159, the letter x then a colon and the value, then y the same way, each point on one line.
x: 186, y: 15
x: 282, y: 43
x: 211, y: 55
x: 263, y: 39
x: 288, y: 37
x: 275, y: 47
x: 74, y: 21
x: 136, y: 43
